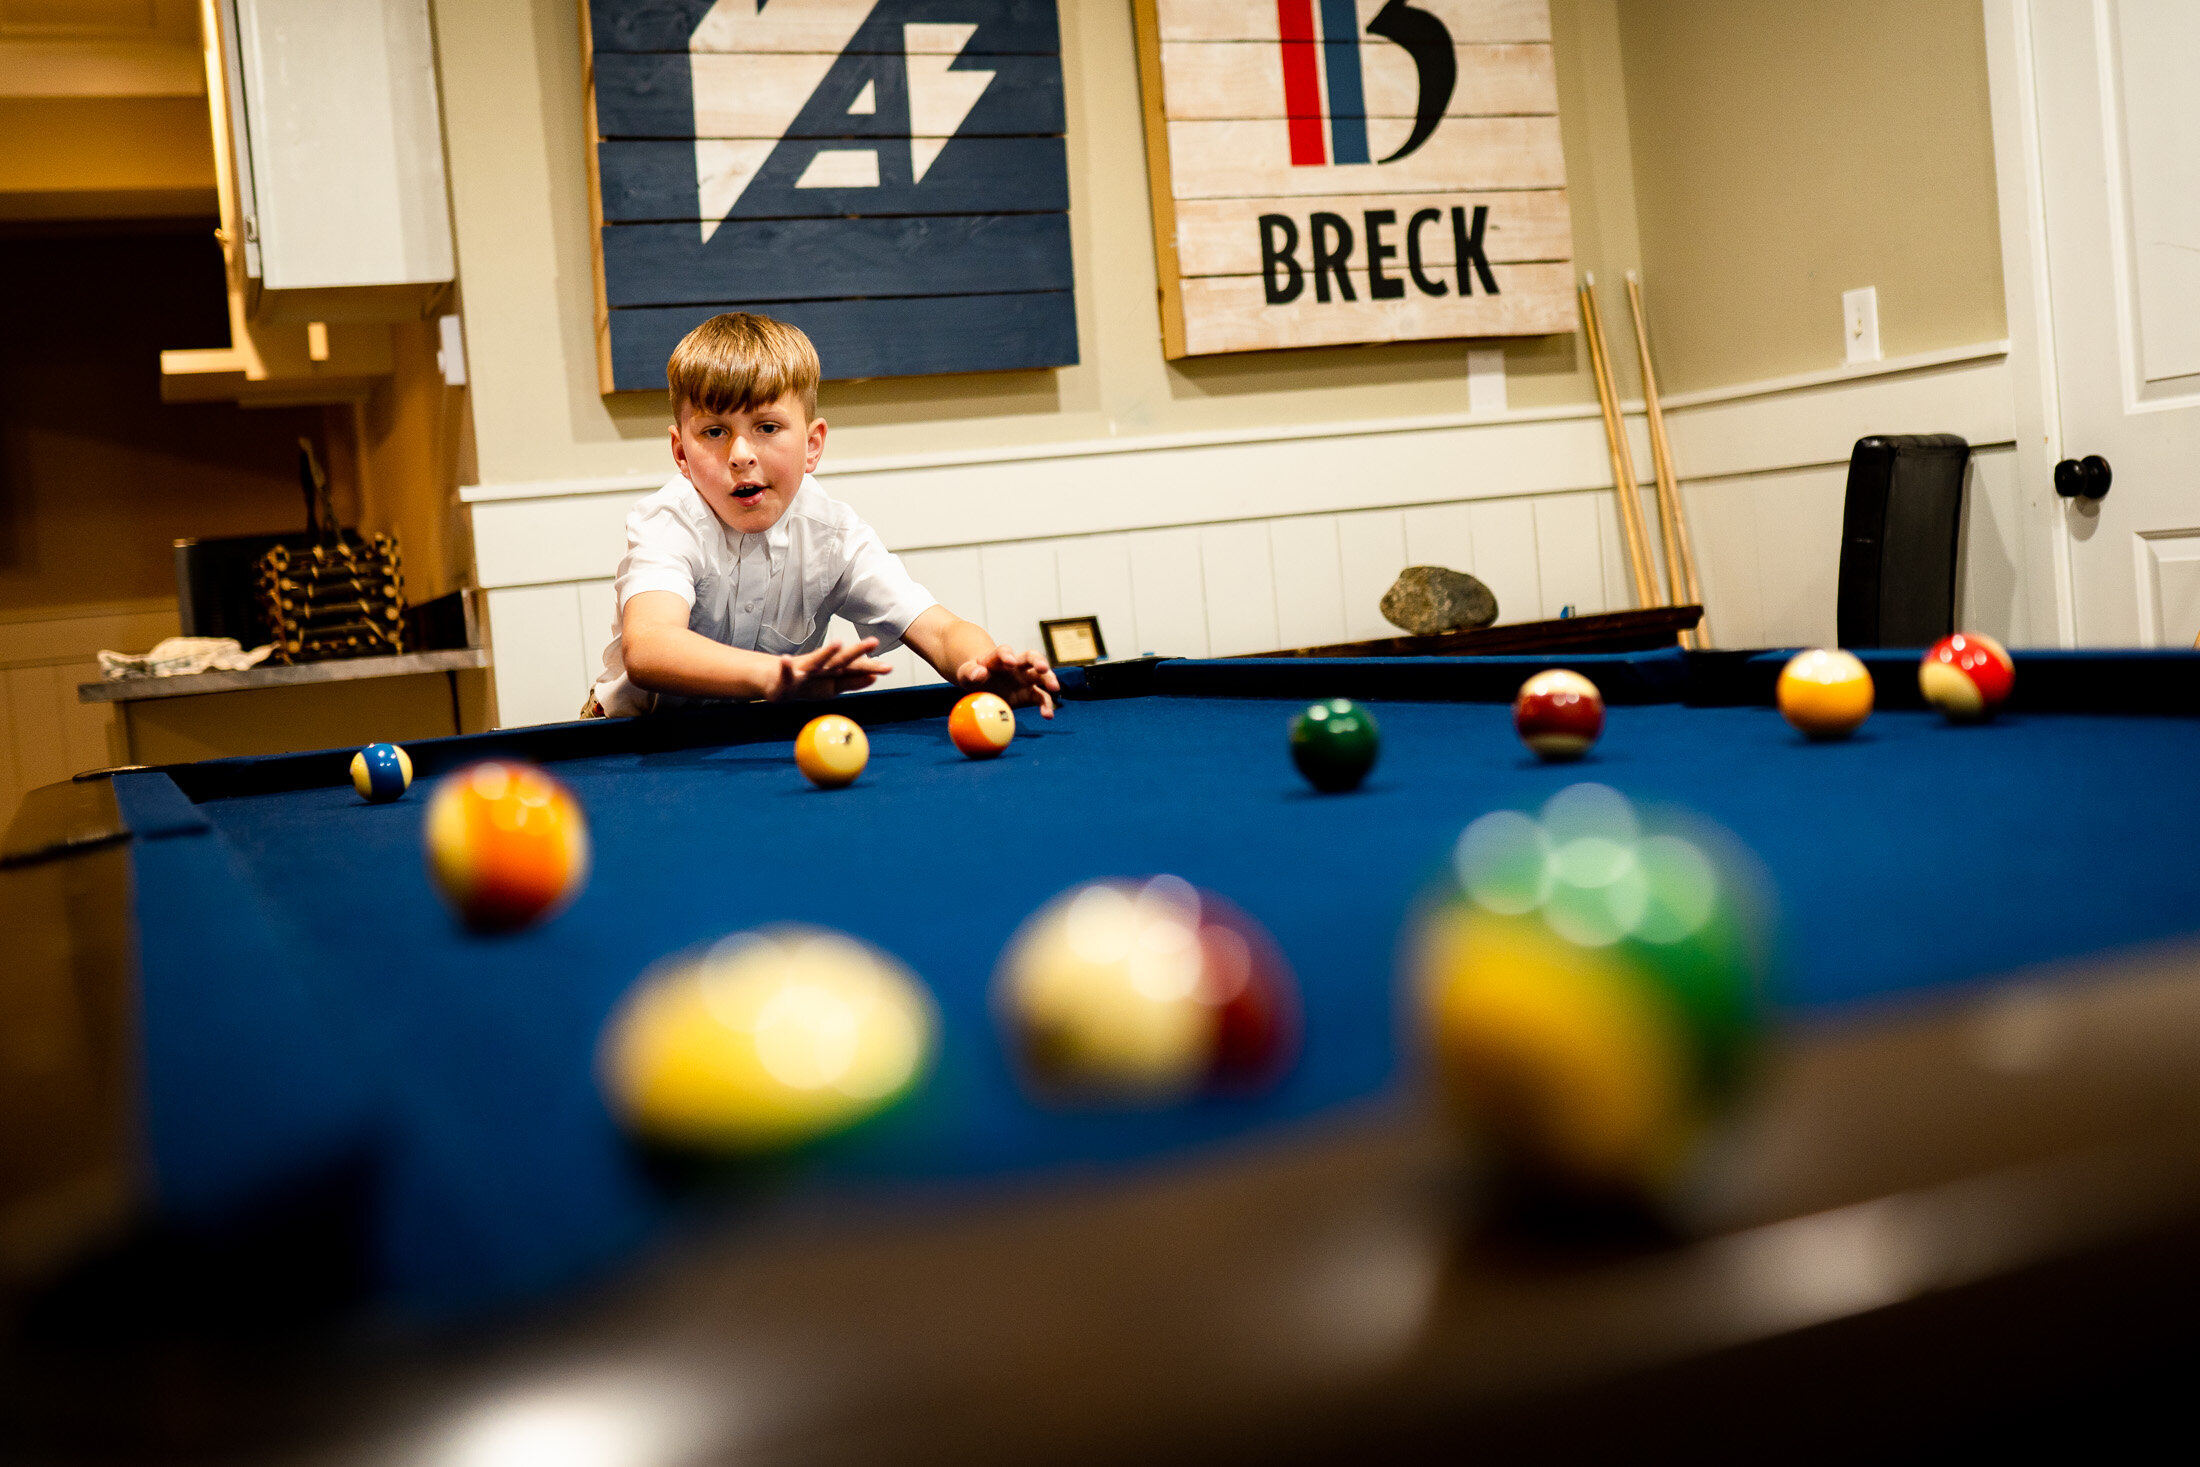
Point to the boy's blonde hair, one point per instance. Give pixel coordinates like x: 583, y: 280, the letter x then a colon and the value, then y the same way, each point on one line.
x: 738, y: 362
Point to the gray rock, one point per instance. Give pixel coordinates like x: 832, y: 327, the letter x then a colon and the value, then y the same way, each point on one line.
x: 1427, y: 599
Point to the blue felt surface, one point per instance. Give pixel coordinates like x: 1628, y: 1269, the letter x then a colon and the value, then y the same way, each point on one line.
x: 1914, y: 856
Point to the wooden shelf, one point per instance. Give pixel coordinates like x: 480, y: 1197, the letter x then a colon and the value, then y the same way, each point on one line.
x: 335, y: 670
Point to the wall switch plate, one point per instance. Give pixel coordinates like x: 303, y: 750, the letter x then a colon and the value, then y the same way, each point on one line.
x: 1860, y: 323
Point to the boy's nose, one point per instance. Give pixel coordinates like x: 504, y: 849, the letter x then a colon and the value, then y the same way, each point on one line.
x: 744, y: 452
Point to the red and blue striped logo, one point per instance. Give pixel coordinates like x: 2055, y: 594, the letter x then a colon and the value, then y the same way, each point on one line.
x: 1322, y: 81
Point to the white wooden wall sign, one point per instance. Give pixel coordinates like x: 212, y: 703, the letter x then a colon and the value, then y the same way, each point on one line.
x: 1334, y: 171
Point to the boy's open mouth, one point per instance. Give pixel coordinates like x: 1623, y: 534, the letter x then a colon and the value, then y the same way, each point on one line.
x: 747, y: 491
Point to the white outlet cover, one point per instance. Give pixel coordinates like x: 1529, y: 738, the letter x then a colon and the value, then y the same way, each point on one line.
x: 1860, y: 323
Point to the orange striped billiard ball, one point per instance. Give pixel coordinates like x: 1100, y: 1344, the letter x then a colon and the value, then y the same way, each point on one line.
x: 1825, y: 693
x: 982, y: 725
x: 1558, y: 714
x: 507, y: 844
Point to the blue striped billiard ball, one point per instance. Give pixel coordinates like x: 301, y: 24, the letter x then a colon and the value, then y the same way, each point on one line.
x: 381, y: 772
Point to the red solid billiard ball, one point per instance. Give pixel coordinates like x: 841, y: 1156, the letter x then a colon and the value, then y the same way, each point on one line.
x: 1967, y: 676
x: 1558, y: 714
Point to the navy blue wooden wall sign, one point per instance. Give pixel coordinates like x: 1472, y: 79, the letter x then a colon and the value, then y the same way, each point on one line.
x: 889, y: 175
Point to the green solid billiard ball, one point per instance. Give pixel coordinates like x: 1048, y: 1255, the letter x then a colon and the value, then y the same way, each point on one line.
x: 1334, y: 743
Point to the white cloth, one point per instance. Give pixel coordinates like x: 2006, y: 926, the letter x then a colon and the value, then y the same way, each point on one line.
x: 181, y: 656
x: 768, y: 593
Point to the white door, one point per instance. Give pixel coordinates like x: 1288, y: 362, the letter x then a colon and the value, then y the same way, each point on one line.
x: 2118, y: 184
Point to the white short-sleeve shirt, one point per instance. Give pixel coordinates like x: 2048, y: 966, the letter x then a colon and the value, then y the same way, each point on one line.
x: 767, y: 593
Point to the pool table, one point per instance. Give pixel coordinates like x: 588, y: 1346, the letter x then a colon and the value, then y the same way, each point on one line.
x: 293, y: 1109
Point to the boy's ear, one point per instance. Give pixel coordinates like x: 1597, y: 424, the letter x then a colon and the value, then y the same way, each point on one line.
x: 679, y: 453
x: 814, y: 449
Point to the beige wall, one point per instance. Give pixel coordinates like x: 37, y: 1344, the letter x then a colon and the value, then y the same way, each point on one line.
x: 511, y: 74
x: 1785, y: 153
x: 1754, y: 160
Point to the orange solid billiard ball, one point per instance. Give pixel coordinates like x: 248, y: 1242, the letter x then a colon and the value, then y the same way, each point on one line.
x: 1825, y: 693
x: 831, y: 750
x: 982, y: 725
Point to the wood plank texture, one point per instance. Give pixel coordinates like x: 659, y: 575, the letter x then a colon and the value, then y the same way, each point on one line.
x: 737, y: 96
x: 1231, y: 313
x: 873, y: 338
x: 1357, y: 124
x: 1095, y: 576
x: 1470, y: 21
x: 646, y: 181
x: 1236, y: 160
x: 840, y: 153
x: 826, y: 259
x: 1223, y: 80
x: 1010, y: 27
x: 1223, y: 236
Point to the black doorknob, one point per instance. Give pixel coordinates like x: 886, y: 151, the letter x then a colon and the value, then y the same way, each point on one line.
x: 2083, y: 478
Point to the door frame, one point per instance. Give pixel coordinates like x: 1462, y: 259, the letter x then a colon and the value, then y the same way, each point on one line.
x: 2013, y: 91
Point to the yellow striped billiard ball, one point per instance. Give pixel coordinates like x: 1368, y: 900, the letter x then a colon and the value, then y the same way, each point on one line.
x: 831, y: 751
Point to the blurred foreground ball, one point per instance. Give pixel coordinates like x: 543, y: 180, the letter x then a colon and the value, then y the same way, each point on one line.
x: 831, y: 750
x: 1825, y: 693
x: 1558, y: 714
x: 381, y: 773
x: 1146, y: 991
x: 1334, y: 744
x: 507, y: 844
x: 1967, y: 676
x: 766, y: 1040
x: 981, y: 724
x: 1586, y: 984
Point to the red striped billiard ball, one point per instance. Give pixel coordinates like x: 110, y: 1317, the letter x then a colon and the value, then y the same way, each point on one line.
x: 1558, y: 714
x: 1967, y: 676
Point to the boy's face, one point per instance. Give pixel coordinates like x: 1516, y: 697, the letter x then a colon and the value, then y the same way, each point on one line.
x: 748, y: 464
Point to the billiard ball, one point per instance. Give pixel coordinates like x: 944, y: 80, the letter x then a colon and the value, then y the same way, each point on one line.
x: 1825, y: 693
x: 831, y: 750
x: 1334, y: 744
x: 1145, y: 992
x: 381, y: 772
x: 765, y: 1040
x: 981, y: 724
x: 1585, y: 983
x: 507, y: 844
x: 1967, y: 676
x: 1558, y: 714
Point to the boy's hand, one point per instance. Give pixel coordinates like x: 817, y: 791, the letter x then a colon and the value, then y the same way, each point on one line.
x: 1021, y: 678
x: 832, y: 669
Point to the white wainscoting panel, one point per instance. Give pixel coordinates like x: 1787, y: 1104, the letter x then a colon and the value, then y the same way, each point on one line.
x: 1095, y: 573
x: 1238, y: 575
x: 1220, y: 546
x: 46, y: 734
x: 1309, y: 581
x: 543, y: 663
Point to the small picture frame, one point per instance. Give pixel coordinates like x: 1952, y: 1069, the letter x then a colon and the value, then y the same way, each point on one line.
x: 1073, y: 641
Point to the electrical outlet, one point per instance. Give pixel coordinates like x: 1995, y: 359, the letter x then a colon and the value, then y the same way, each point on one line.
x: 1860, y: 323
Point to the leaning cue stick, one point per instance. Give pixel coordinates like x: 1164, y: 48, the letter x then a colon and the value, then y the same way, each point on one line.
x: 1623, y: 463
x: 1680, y: 555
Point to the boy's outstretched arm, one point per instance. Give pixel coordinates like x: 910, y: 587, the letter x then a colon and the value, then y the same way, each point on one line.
x: 664, y: 656
x: 967, y: 656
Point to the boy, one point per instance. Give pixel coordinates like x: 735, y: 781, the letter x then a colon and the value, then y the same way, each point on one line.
x: 732, y: 569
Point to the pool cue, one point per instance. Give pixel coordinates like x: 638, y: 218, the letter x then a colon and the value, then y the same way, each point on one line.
x: 1680, y: 555
x: 1623, y: 463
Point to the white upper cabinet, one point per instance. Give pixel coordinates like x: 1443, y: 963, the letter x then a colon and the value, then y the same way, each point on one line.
x: 339, y: 157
